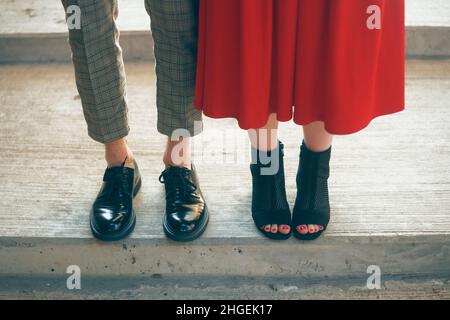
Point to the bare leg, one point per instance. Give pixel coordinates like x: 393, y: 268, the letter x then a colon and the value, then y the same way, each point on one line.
x: 178, y: 153
x: 317, y: 139
x: 116, y: 152
x: 266, y: 139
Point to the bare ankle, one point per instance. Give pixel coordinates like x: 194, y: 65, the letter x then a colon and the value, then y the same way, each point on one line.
x: 118, y: 153
x: 178, y: 153
x: 183, y: 163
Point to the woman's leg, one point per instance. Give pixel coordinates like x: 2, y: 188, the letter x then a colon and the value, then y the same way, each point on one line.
x: 317, y: 139
x: 266, y: 139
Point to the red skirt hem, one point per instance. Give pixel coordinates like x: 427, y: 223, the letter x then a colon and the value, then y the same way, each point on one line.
x: 303, y: 121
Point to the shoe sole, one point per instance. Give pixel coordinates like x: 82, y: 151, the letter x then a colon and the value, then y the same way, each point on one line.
x: 123, y: 233
x: 191, y: 236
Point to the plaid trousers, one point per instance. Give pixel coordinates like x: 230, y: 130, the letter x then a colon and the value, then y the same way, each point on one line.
x: 100, y: 74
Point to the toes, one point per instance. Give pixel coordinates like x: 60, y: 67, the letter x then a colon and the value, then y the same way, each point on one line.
x: 302, y: 229
x: 285, y: 229
x: 274, y: 228
x: 319, y: 228
x: 310, y: 228
x: 315, y: 228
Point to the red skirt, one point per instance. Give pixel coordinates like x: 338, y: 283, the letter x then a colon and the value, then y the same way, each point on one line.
x: 337, y: 61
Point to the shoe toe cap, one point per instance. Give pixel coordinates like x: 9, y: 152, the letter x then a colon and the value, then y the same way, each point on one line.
x: 184, y: 222
x: 109, y: 220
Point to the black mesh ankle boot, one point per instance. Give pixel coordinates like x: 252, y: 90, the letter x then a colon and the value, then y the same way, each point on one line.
x: 269, y: 203
x: 312, y: 205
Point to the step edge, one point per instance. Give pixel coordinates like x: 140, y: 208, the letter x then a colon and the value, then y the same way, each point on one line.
x: 146, y: 31
x: 248, y: 241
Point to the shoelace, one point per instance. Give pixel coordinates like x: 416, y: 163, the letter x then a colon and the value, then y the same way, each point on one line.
x: 119, y: 181
x: 179, y: 186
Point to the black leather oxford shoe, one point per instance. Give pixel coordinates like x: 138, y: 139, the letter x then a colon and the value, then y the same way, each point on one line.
x: 186, y: 215
x: 112, y: 216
